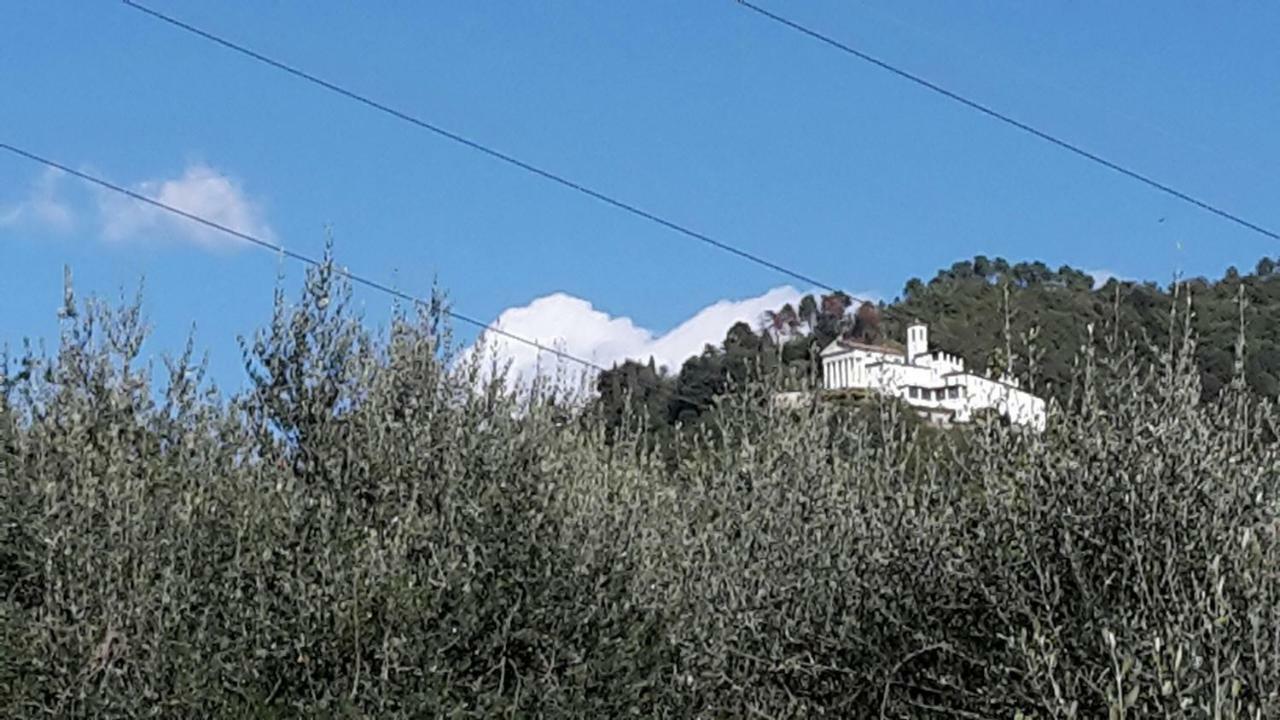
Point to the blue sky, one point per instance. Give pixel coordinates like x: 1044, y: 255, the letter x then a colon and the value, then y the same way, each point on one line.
x: 699, y: 111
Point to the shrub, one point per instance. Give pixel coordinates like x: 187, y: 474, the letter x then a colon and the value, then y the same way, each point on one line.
x: 375, y: 528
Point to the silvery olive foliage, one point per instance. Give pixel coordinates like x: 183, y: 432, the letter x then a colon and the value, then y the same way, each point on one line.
x: 378, y: 528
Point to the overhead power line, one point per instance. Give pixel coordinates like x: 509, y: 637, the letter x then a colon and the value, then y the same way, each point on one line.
x: 295, y: 255
x: 1006, y: 119
x: 483, y: 148
x: 355, y: 278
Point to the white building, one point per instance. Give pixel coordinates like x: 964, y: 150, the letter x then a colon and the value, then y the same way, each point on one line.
x: 933, y: 381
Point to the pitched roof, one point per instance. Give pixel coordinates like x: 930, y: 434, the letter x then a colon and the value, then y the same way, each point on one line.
x: 851, y: 345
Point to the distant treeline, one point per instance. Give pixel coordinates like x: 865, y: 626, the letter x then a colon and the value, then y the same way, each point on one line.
x: 994, y: 314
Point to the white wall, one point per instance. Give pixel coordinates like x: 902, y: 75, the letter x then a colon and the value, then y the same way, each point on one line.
x: 1019, y: 406
x: 890, y: 375
x: 895, y: 378
x: 942, y: 362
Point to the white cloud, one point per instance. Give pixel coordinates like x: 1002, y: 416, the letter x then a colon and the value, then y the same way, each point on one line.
x: 42, y: 208
x: 573, y: 326
x: 201, y: 191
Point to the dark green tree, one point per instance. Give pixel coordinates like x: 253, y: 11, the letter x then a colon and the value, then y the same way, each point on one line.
x: 808, y: 311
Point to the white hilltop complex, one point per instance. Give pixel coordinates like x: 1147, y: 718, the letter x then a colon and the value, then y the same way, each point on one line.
x: 934, y: 382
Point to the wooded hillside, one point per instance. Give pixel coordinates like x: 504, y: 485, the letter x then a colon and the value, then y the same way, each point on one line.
x: 1048, y: 314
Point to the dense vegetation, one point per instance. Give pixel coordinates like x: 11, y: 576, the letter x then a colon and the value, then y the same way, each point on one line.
x: 365, y: 533
x: 994, y: 315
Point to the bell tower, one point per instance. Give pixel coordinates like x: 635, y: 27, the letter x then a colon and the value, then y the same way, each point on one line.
x: 917, y: 341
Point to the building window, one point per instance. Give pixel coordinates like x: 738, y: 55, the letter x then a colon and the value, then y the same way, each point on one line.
x: 953, y: 392
x: 915, y: 393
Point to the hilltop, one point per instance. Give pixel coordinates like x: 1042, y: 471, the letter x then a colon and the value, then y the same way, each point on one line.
x: 991, y: 313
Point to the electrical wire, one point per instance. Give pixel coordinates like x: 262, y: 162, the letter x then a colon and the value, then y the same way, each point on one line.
x: 482, y: 148
x: 355, y: 278
x: 1006, y: 119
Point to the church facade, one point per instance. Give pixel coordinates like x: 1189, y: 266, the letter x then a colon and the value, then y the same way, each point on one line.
x: 934, y: 382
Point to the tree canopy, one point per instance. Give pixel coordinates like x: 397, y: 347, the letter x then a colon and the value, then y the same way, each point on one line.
x: 994, y: 314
